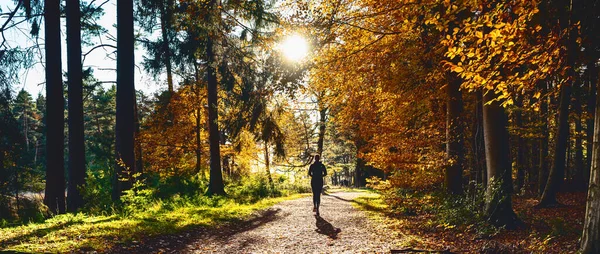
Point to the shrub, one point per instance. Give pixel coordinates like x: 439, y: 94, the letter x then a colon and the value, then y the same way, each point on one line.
x: 138, y: 197
x: 251, y: 189
x: 96, y: 193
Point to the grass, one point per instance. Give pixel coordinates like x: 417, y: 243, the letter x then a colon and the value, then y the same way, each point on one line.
x: 69, y: 232
x: 378, y: 211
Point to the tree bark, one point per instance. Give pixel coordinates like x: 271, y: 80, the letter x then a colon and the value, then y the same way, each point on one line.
x: 268, y: 166
x: 215, y: 185
x: 521, y: 146
x: 498, y: 192
x: 591, y: 106
x: 454, y: 137
x: 479, y: 141
x: 139, y: 159
x: 557, y: 172
x: 55, y: 179
x: 198, y: 119
x: 322, y: 125
x: 125, y: 125
x: 543, y: 142
x: 75, y: 90
x: 198, y: 143
x: 590, y: 238
x: 165, y: 21
x: 578, y: 160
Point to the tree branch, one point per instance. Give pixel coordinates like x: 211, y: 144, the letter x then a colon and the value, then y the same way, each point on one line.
x: 96, y: 47
x: 10, y: 16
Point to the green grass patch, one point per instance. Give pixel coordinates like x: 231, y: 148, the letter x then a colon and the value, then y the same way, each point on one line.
x: 377, y: 210
x: 69, y: 232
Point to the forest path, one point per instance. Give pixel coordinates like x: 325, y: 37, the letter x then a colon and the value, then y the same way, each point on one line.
x: 287, y: 227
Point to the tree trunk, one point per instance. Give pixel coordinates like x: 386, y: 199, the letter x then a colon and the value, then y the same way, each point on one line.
x: 521, y: 146
x: 557, y: 172
x: 593, y: 78
x: 215, y: 185
x: 454, y: 137
x: 25, y: 115
x: 268, y: 166
x: 360, y: 173
x: 139, y: 159
x: 198, y: 120
x: 17, y: 196
x: 590, y: 238
x: 125, y: 125
x: 55, y: 175
x: 497, y: 153
x: 543, y: 165
x: 75, y: 90
x: 322, y: 125
x: 198, y: 143
x: 479, y: 141
x: 165, y: 21
x: 578, y: 160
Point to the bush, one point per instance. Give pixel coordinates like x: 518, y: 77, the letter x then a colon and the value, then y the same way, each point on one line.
x: 287, y: 187
x: 138, y: 197
x: 251, y: 189
x: 188, y: 186
x: 97, y: 191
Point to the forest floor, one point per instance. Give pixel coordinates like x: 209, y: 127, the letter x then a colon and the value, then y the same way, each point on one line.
x: 287, y: 227
x: 360, y: 222
x: 543, y: 230
x: 351, y: 221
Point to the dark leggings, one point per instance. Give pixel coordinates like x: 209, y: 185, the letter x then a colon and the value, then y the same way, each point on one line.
x: 317, y: 187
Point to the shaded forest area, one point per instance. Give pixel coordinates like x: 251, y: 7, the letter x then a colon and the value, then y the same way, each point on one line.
x: 450, y: 109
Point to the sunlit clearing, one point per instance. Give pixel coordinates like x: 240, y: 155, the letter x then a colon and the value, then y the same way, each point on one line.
x: 294, y: 47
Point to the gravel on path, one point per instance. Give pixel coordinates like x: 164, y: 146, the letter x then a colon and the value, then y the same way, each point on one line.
x: 288, y: 227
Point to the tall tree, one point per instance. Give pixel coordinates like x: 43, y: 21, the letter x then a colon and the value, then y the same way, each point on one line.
x: 567, y: 20
x: 55, y: 177
x: 557, y: 171
x: 125, y: 121
x: 498, y: 207
x: 590, y: 238
x: 215, y: 185
x: 322, y: 107
x: 76, y: 165
x: 544, y: 139
x: 454, y: 136
x: 160, y: 51
x: 166, y: 16
x: 592, y: 72
x: 521, y: 145
x: 579, y: 168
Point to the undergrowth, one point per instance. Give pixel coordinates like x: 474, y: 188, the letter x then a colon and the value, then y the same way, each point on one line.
x: 146, y: 210
x: 444, y: 211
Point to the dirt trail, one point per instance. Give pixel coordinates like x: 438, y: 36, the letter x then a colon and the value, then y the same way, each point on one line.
x: 288, y: 227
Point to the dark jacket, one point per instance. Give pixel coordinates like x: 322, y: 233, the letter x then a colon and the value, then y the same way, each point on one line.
x: 317, y: 171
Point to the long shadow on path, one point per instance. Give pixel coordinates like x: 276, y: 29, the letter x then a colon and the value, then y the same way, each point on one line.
x: 364, y: 205
x: 325, y: 228
x: 175, y: 243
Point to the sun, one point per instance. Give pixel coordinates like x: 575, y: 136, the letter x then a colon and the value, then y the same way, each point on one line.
x: 294, y: 48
